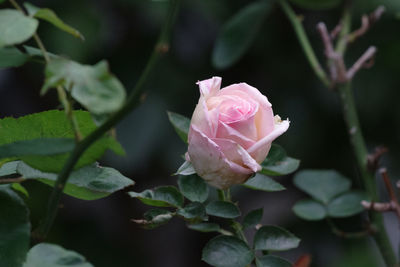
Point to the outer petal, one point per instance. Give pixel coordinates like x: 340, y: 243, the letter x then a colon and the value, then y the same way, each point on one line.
x: 237, y: 154
x: 211, y: 164
x: 209, y: 87
x: 206, y: 121
x: 259, y: 150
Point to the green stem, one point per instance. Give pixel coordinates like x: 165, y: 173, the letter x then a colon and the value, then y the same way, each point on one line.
x: 341, y: 44
x: 236, y: 226
x: 132, y: 101
x: 356, y: 138
x: 221, y: 194
x: 368, y: 178
x: 305, y: 43
x: 41, y: 47
x: 16, y: 6
x: 239, y: 230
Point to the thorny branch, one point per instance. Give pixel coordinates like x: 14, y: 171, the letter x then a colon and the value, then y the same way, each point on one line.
x: 366, y: 22
x: 337, y: 68
x: 373, y: 158
x: 392, y: 205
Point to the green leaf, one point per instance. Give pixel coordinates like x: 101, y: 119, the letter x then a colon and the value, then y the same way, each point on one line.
x: 155, y: 218
x: 253, y: 218
x: 12, y: 57
x: 317, y: 4
x: 238, y: 33
x: 39, y: 146
x: 278, y: 163
x: 272, y: 261
x: 223, y: 209
x: 309, y: 209
x: 181, y: 125
x: 88, y: 183
x: 54, y: 124
x: 227, y: 251
x: 14, y: 228
x: 15, y: 27
x: 193, y: 211
x: 322, y: 185
x: 49, y: 255
x: 9, y: 168
x: 275, y: 239
x: 347, y: 204
x: 263, y: 183
x: 154, y: 213
x: 204, y: 227
x: 185, y: 169
x: 193, y: 188
x: 163, y: 196
x: 49, y: 16
x: 275, y: 154
x: 94, y: 87
x: 19, y: 188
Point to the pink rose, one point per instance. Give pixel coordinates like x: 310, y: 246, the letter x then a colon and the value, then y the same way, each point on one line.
x: 231, y: 132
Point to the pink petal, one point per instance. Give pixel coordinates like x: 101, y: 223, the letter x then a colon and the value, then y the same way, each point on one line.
x: 248, y: 90
x: 225, y: 131
x: 264, y: 116
x: 209, y: 87
x: 205, y: 120
x: 246, y: 127
x: 259, y: 150
x: 237, y: 154
x: 211, y: 164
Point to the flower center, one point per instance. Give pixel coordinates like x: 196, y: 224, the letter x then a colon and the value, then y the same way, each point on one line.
x: 233, y: 108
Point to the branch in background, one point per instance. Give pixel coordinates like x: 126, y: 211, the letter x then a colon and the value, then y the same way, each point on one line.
x: 373, y: 159
x: 393, y: 205
x: 365, y: 61
x: 341, y: 82
x: 12, y: 180
x: 335, y: 60
x: 305, y: 43
x: 335, y: 32
x: 366, y: 23
x: 377, y: 206
x: 368, y: 230
x: 393, y: 199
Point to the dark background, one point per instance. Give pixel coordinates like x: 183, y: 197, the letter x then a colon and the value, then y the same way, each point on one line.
x: 124, y: 33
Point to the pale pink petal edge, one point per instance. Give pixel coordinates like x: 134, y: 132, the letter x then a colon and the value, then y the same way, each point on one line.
x: 279, y: 129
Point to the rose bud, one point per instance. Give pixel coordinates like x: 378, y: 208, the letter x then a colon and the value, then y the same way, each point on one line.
x: 231, y: 132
